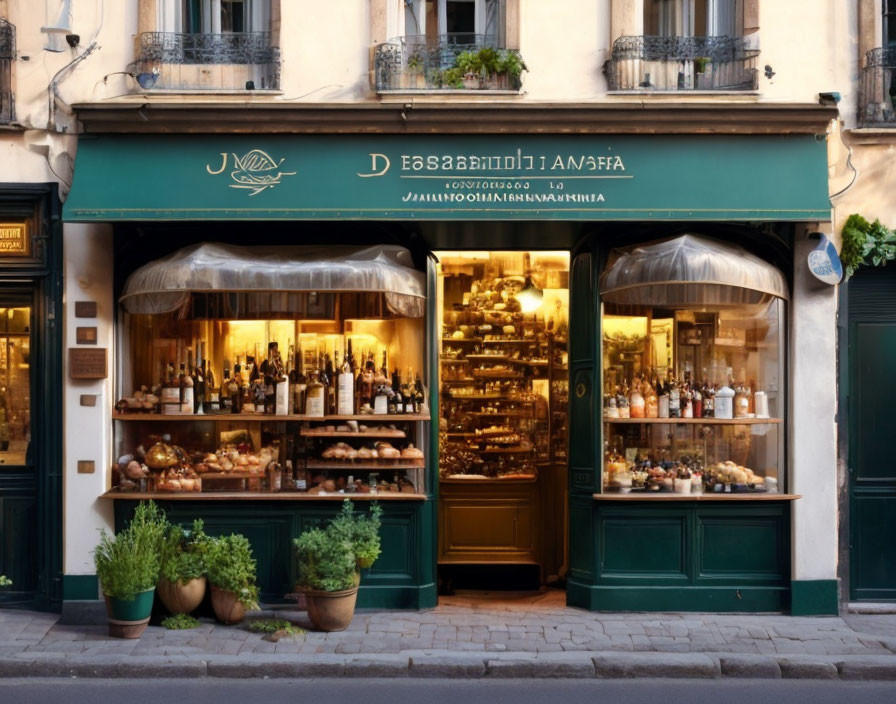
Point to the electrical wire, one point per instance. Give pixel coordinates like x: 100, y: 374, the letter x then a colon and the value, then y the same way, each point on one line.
x: 855, y: 173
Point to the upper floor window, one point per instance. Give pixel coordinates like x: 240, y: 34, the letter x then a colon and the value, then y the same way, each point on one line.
x: 7, y: 57
x: 216, y: 16
x: 449, y: 44
x: 693, y: 18
x: 466, y: 21
x: 209, y: 45
x: 889, y: 22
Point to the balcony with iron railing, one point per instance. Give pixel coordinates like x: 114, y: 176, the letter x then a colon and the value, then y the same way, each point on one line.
x: 877, y: 91
x: 651, y: 63
x: 228, y: 61
x: 447, y: 62
x: 7, y: 56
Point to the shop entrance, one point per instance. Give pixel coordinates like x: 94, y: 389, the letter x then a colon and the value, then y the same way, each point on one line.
x: 503, y: 401
x: 18, y: 483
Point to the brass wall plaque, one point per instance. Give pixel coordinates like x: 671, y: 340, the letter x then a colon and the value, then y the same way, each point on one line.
x: 88, y: 399
x: 14, y: 239
x: 86, y: 466
x: 87, y: 363
x: 85, y: 336
x: 85, y: 309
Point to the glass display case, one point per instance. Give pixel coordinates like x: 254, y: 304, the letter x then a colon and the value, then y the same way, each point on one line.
x: 290, y: 393
x: 503, y: 364
x: 693, y: 372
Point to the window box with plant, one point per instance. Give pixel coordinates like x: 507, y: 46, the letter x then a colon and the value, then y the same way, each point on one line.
x: 329, y: 564
x: 182, y: 581
x: 127, y: 566
x: 231, y: 573
x: 866, y: 244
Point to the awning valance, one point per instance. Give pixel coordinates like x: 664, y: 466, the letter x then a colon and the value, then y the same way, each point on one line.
x: 690, y: 271
x: 166, y: 285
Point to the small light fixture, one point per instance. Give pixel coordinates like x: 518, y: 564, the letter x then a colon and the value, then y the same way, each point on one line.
x: 531, y: 297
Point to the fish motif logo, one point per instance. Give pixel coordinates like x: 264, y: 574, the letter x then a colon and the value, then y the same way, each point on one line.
x: 255, y: 171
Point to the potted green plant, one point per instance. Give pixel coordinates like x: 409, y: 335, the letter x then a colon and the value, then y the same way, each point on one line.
x: 467, y: 62
x: 510, y: 67
x: 182, y: 580
x: 329, y: 561
x: 5, y: 581
x: 127, y: 565
x: 231, y: 574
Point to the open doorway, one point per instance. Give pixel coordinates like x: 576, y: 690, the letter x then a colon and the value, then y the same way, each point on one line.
x: 503, y: 409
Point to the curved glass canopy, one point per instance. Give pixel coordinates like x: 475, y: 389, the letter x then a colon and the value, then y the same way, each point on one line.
x: 167, y: 284
x: 690, y: 271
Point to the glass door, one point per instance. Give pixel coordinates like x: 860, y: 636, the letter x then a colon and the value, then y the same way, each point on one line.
x: 15, y: 384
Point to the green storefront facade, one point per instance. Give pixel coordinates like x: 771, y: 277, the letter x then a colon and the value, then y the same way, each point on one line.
x: 585, y: 193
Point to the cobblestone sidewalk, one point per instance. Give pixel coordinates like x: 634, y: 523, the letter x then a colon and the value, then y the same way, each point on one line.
x: 482, y: 633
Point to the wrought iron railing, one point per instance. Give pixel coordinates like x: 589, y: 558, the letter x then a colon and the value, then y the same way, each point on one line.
x: 681, y: 64
x: 7, y: 56
x: 419, y: 62
x: 209, y: 61
x: 877, y: 92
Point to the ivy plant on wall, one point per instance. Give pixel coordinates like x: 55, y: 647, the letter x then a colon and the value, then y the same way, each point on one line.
x: 866, y: 243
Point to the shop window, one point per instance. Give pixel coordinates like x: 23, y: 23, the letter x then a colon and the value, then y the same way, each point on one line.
x: 210, y: 44
x: 261, y: 385
x: 15, y: 385
x: 693, y: 371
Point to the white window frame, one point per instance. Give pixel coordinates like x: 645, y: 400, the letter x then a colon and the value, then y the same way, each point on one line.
x: 170, y: 16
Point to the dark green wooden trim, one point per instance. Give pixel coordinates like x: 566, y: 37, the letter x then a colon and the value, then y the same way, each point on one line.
x: 417, y: 598
x: 42, y: 275
x: 677, y: 598
x: 430, y: 519
x: 80, y: 587
x: 817, y: 597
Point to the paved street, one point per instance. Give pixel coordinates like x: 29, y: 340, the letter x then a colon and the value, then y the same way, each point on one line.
x: 479, y: 638
x: 445, y: 691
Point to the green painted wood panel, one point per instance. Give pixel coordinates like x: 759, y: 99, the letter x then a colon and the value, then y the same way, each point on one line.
x: 871, y: 424
x: 650, y: 545
x: 747, y: 549
x: 397, y: 580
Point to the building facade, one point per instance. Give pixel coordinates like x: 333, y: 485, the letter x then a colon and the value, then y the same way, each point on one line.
x: 585, y: 127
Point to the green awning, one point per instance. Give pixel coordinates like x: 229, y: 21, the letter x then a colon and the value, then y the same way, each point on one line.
x: 449, y: 177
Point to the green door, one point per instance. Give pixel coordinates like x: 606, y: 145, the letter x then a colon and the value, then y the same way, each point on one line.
x: 18, y: 479
x: 871, y: 424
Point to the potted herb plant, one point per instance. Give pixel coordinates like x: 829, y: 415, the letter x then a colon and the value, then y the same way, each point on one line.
x: 509, y: 67
x: 329, y: 561
x: 182, y: 580
x: 231, y: 574
x: 5, y: 581
x: 470, y: 68
x: 127, y: 565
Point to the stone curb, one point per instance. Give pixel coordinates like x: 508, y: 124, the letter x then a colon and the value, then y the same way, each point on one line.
x: 662, y: 665
x: 762, y: 667
x: 605, y: 665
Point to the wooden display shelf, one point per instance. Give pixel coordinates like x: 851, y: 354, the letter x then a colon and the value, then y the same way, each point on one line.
x: 702, y: 421
x: 477, y: 397
x: 365, y: 466
x: 510, y: 342
x: 256, y: 496
x: 460, y: 340
x: 384, y: 433
x: 261, y: 418
x: 448, y: 382
x: 499, y: 414
x: 517, y: 450
x: 487, y: 358
x: 503, y: 376
x: 670, y: 496
x: 454, y: 360
x: 487, y: 480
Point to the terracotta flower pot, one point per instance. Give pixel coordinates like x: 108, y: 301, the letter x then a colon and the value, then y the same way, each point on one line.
x: 331, y: 611
x: 180, y: 598
x: 228, y: 608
